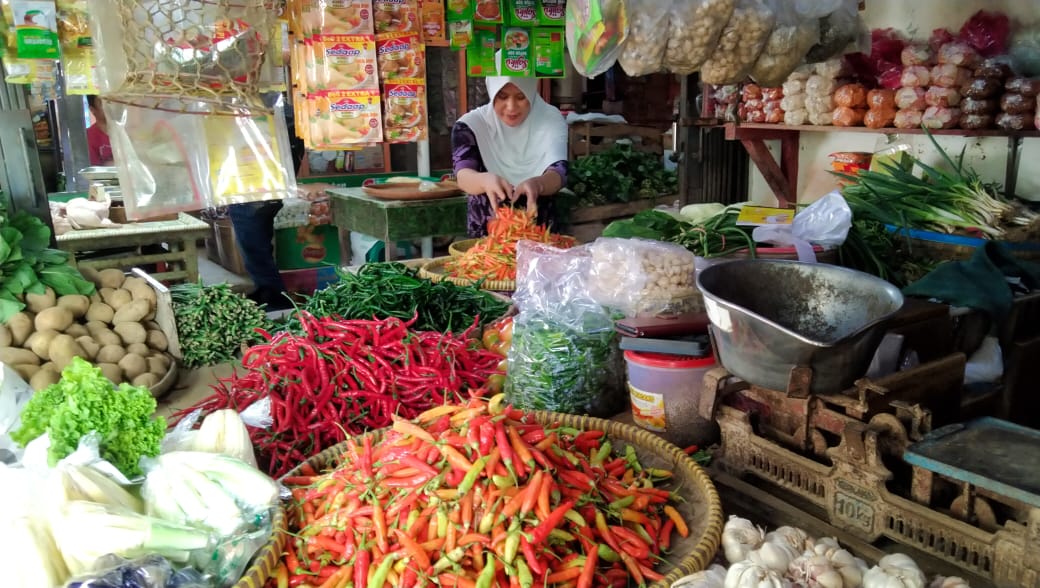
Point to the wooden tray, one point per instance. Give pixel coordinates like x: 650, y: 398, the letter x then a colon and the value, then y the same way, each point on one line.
x: 410, y: 191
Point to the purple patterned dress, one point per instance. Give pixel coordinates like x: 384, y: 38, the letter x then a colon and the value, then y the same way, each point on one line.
x: 466, y: 155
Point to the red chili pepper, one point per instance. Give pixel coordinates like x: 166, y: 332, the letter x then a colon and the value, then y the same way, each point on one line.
x: 541, y: 532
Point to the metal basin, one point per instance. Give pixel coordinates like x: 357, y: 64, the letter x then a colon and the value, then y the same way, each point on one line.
x: 771, y: 316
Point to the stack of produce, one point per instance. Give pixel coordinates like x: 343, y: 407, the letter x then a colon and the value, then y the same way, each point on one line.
x: 623, y: 174
x: 956, y: 63
x: 727, y: 100
x: 344, y: 377
x: 1018, y: 104
x: 794, y: 101
x: 761, y: 105
x: 494, y: 257
x: 112, y: 328
x: 882, y: 108
x: 819, y: 91
x: 850, y: 101
x: 980, y: 95
x: 213, y: 322
x: 917, y: 61
x: 481, y: 495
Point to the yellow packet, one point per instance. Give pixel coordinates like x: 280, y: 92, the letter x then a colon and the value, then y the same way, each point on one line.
x: 343, y: 62
x: 341, y: 118
x: 400, y: 56
x: 80, y: 66
x: 405, y: 110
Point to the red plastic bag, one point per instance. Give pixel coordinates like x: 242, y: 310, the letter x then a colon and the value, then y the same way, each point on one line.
x: 988, y: 32
x: 884, y: 64
x: 939, y: 38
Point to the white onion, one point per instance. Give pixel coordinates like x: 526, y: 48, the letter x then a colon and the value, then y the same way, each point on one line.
x: 740, y: 537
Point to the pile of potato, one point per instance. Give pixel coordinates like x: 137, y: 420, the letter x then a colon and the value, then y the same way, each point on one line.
x: 112, y: 328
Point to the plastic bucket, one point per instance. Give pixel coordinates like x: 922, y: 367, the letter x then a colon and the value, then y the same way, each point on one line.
x: 665, y: 392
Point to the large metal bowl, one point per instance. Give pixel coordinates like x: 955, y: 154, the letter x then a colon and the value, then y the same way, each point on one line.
x: 771, y: 316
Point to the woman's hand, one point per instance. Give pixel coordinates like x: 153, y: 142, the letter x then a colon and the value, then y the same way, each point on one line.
x: 498, y: 190
x: 532, y: 189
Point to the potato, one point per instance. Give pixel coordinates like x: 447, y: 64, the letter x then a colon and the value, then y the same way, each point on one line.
x: 50, y: 366
x: 157, y: 365
x: 21, y: 325
x: 76, y: 303
x: 146, y: 380
x: 77, y: 330
x: 14, y: 356
x: 157, y: 340
x: 112, y: 371
x: 89, y: 345
x: 95, y: 326
x: 26, y: 370
x: 111, y: 278
x: 5, y: 336
x: 133, y: 282
x: 105, y: 293
x: 101, y: 312
x: 38, y: 302
x: 119, y: 298
x: 141, y: 290
x: 107, y: 337
x: 63, y: 348
x: 110, y: 354
x: 95, y: 298
x: 131, y: 333
x: 55, y: 317
x: 91, y: 274
x: 138, y: 348
x: 44, y: 377
x: 40, y: 341
x: 152, y: 326
x: 133, y: 365
x: 133, y: 312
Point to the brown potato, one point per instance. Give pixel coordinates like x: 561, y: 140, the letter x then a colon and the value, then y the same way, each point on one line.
x: 15, y: 356
x: 107, y: 337
x: 76, y: 303
x: 62, y: 349
x: 95, y: 326
x: 26, y: 370
x: 5, y: 336
x: 138, y: 348
x: 132, y: 312
x: 39, y: 302
x: 21, y: 326
x: 44, y: 377
x: 157, y: 340
x: 77, y: 330
x: 133, y: 365
x: 111, y: 278
x: 131, y: 333
x: 110, y: 354
x: 112, y: 371
x: 146, y: 380
x: 55, y: 317
x: 89, y: 345
x: 40, y: 342
x: 100, y: 312
x: 157, y: 366
x: 91, y: 274
x: 117, y: 298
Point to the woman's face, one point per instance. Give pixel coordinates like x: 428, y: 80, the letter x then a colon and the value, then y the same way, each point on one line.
x: 511, y: 106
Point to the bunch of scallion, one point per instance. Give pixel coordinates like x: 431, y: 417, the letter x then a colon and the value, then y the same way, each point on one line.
x: 939, y: 200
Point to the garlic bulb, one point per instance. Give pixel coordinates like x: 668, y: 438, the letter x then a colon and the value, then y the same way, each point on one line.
x: 748, y: 574
x: 850, y: 567
x: 815, y: 571
x: 796, y: 538
x: 775, y: 556
x: 740, y: 537
x: 713, y: 577
x: 894, y: 571
x: 949, y: 582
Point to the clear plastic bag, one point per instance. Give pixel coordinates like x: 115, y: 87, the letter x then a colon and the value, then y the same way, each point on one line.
x: 908, y: 119
x: 1025, y: 51
x: 792, y: 37
x: 772, y: 94
x: 973, y: 122
x: 14, y: 395
x: 596, y: 30
x: 832, y: 68
x: 948, y: 75
x: 879, y: 118
x: 825, y: 222
x: 851, y: 96
x: 1015, y: 122
x: 819, y: 104
x: 795, y: 102
x: 751, y: 92
x: 915, y: 76
x: 821, y: 119
x: 979, y: 106
x: 957, y: 53
x: 844, y: 116
x: 917, y: 54
x: 796, y: 117
x: 740, y: 43
x: 638, y: 276
x: 937, y: 117
x: 994, y: 67
x: 643, y: 52
x: 881, y: 99
x: 819, y: 85
x: 693, y: 31
x: 944, y: 97
x: 1024, y: 86
x: 840, y: 26
x: 982, y: 88
x: 794, y: 86
x: 150, y: 571
x: 565, y: 355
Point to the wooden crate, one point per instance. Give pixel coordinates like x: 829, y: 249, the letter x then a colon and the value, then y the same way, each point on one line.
x: 592, y: 137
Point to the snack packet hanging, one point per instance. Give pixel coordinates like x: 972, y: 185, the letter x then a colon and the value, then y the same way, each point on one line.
x: 552, y: 13
x: 342, y: 62
x: 432, y: 17
x: 459, y: 10
x: 400, y: 55
x: 35, y: 28
x: 341, y: 118
x: 517, y: 53
x: 338, y: 17
x: 396, y: 16
x: 405, y: 110
x: 549, y: 52
x: 480, y: 54
x: 80, y: 67
x: 522, y: 13
x: 596, y: 32
x: 487, y: 12
x: 460, y: 34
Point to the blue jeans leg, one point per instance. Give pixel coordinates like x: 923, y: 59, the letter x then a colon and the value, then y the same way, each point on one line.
x: 254, y: 232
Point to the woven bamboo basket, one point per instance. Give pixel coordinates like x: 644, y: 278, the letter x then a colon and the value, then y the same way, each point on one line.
x: 266, y: 560
x: 701, y: 508
x: 435, y: 271
x: 459, y: 247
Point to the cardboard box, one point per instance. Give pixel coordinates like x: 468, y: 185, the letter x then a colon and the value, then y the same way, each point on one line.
x: 306, y: 281
x: 306, y: 247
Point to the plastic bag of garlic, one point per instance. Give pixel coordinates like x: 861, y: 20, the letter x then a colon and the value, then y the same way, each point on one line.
x: 792, y: 37
x: 641, y: 277
x: 643, y: 52
x: 740, y: 44
x: 694, y: 27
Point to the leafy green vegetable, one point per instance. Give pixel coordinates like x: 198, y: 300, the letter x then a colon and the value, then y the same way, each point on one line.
x: 648, y: 224
x: 84, y: 400
x: 620, y: 174
x: 715, y: 236
x: 28, y: 265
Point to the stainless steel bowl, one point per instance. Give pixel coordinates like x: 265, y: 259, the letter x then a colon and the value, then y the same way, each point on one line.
x: 771, y: 316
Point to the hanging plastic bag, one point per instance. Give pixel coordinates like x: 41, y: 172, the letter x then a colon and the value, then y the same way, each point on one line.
x: 693, y: 30
x: 740, y: 43
x: 643, y: 52
x: 840, y: 27
x: 642, y: 277
x: 596, y: 31
x: 987, y: 32
x: 792, y: 37
x: 1025, y: 51
x: 564, y: 356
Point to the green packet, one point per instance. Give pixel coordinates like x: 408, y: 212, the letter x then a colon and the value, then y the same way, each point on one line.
x: 488, y: 12
x: 480, y: 54
x: 552, y: 12
x: 36, y: 29
x: 460, y: 33
x: 549, y: 52
x: 458, y: 10
x: 522, y: 13
x: 517, y: 50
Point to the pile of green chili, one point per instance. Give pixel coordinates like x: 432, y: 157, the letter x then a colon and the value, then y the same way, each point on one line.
x: 386, y: 290
x: 213, y: 322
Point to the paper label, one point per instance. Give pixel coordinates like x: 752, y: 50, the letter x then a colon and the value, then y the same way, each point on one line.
x: 648, y: 409
x: 757, y: 216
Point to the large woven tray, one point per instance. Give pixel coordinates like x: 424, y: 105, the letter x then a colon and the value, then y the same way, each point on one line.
x: 701, y: 508
x: 435, y: 271
x: 266, y: 560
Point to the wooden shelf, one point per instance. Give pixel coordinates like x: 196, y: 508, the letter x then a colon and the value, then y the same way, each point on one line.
x: 737, y: 131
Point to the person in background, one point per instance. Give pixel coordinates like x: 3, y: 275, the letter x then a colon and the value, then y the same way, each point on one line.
x: 98, y: 144
x: 511, y: 151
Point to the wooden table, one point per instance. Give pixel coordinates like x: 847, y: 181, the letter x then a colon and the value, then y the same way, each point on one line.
x: 180, y: 235
x: 393, y: 220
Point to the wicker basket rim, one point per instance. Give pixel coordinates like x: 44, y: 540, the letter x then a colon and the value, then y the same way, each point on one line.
x: 699, y: 556
x: 266, y: 559
x: 429, y: 271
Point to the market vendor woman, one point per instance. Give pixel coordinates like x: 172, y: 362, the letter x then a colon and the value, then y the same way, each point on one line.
x: 513, y: 150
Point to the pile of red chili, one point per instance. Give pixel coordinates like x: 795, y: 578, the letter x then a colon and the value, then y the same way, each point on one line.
x: 475, y: 496
x: 344, y: 377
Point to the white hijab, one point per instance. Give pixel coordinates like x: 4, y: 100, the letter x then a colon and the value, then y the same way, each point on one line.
x: 523, y: 152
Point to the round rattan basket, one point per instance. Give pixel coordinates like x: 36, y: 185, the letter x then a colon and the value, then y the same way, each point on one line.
x: 435, y: 271
x: 266, y: 560
x: 701, y: 507
x: 459, y: 247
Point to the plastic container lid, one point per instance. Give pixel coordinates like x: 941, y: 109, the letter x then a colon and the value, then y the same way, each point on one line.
x: 663, y: 360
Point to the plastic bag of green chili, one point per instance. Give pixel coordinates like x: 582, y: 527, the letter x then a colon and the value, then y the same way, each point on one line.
x: 564, y: 356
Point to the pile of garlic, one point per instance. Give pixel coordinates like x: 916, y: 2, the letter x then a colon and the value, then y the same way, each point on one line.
x: 789, y: 557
